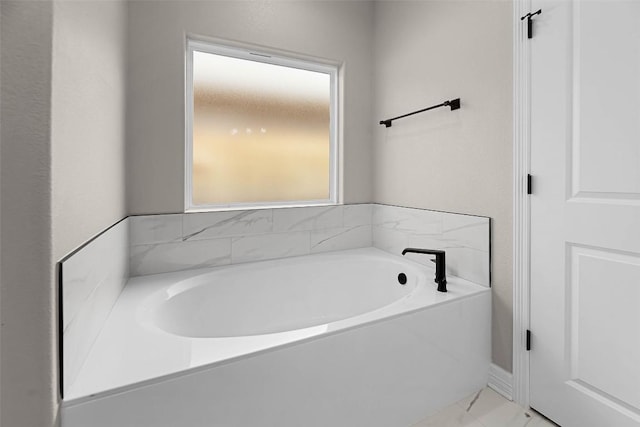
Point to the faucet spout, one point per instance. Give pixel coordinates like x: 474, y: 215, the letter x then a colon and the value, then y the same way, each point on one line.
x: 441, y: 267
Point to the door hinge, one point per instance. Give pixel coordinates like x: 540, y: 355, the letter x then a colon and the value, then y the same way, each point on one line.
x: 529, y: 186
x: 529, y: 17
x: 528, y: 340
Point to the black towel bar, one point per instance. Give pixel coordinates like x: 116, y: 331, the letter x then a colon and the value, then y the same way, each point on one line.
x: 454, y: 104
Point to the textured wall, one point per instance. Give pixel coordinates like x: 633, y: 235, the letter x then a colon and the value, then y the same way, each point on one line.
x: 88, y: 115
x: 461, y: 161
x: 28, y: 394
x: 62, y: 163
x: 338, y: 31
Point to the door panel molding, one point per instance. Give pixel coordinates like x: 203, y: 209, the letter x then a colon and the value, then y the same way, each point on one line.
x: 606, y: 399
x: 621, y: 190
x: 595, y: 283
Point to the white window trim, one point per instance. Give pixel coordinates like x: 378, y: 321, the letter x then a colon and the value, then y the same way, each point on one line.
x: 267, y: 56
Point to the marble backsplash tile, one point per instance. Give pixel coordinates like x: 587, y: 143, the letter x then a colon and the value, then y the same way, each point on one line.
x: 212, y: 225
x: 151, y: 229
x: 176, y: 256
x: 308, y: 218
x: 168, y: 242
x: 408, y: 220
x: 464, y: 238
x: 269, y: 246
x: 195, y: 240
x: 341, y: 238
x: 91, y: 280
x: 357, y: 215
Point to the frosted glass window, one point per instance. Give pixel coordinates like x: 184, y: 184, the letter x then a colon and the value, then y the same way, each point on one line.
x: 261, y: 132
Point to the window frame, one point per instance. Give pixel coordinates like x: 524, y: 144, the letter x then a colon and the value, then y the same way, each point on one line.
x: 267, y: 56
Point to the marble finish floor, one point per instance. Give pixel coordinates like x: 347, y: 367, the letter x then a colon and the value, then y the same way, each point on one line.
x: 485, y: 408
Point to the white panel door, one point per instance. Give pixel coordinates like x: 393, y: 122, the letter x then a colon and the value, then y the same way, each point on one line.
x: 585, y: 213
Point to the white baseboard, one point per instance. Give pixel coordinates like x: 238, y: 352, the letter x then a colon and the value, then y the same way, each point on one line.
x: 501, y: 381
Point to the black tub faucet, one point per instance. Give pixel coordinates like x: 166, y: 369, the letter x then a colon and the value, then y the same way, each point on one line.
x: 441, y: 266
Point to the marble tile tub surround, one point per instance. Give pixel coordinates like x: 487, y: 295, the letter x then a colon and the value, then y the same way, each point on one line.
x: 91, y: 280
x: 164, y: 243
x: 464, y: 238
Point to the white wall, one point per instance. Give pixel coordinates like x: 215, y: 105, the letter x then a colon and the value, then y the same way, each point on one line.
x: 156, y: 35
x: 88, y: 115
x: 427, y: 52
x: 28, y: 385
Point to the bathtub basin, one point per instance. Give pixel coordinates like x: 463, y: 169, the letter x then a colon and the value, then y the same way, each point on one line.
x: 279, y: 297
x: 268, y: 343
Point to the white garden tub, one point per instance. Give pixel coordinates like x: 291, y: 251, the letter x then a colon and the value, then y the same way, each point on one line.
x: 320, y: 340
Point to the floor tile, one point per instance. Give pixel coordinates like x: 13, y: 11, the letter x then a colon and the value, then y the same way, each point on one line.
x: 485, y: 408
x: 451, y: 416
x: 540, y: 421
x: 493, y: 410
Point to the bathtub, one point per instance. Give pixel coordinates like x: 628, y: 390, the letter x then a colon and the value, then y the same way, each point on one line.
x: 321, y: 340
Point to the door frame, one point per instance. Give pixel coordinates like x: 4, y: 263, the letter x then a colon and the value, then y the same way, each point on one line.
x: 521, y: 202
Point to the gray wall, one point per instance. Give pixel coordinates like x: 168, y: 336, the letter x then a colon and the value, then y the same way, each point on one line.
x: 156, y: 35
x: 87, y: 127
x: 427, y: 52
x: 28, y: 383
x: 63, y: 171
